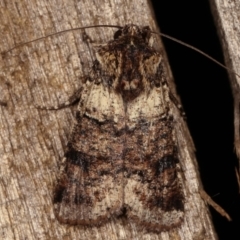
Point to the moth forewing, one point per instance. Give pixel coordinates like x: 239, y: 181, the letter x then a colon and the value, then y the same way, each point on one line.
x: 122, y: 157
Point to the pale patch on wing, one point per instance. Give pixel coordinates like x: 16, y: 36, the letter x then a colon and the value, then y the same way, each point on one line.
x: 80, y: 203
x: 146, y: 106
x: 136, y: 197
x: 104, y: 104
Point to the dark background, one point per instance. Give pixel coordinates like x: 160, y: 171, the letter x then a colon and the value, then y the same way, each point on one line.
x: 206, y: 96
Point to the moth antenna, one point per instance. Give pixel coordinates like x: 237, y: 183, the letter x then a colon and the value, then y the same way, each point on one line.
x: 116, y: 26
x: 52, y: 34
x: 196, y: 50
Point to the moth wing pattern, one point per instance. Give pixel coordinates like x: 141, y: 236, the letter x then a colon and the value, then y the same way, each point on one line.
x: 122, y: 157
x: 90, y: 187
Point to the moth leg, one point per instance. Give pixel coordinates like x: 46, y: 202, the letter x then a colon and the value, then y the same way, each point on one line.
x: 177, y: 104
x: 2, y: 103
x: 91, y: 44
x: 162, y: 81
x: 89, y: 41
x: 71, y: 100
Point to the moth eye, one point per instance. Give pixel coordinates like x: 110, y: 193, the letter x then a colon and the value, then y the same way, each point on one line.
x: 117, y: 34
x: 146, y: 33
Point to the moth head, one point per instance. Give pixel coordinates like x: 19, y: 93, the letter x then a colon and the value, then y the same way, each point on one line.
x: 129, y: 62
x: 141, y: 34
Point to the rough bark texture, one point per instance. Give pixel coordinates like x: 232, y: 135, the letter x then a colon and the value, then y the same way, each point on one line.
x: 32, y: 141
x: 227, y: 17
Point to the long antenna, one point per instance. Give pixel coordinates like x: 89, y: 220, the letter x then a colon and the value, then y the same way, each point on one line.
x: 196, y: 50
x: 64, y: 31
x: 119, y: 27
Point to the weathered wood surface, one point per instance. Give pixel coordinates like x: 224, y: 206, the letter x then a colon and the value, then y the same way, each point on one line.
x: 32, y: 141
x: 227, y: 19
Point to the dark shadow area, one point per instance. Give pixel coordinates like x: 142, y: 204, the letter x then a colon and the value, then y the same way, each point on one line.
x: 206, y: 96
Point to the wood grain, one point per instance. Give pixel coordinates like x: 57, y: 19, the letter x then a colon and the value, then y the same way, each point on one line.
x: 32, y: 141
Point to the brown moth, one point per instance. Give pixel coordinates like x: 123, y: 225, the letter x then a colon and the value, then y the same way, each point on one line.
x: 122, y: 157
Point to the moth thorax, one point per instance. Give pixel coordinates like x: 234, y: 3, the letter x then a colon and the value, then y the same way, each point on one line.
x: 130, y: 88
x: 142, y: 34
x: 130, y: 85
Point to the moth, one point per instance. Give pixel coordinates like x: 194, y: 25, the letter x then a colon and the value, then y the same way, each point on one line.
x: 122, y: 157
